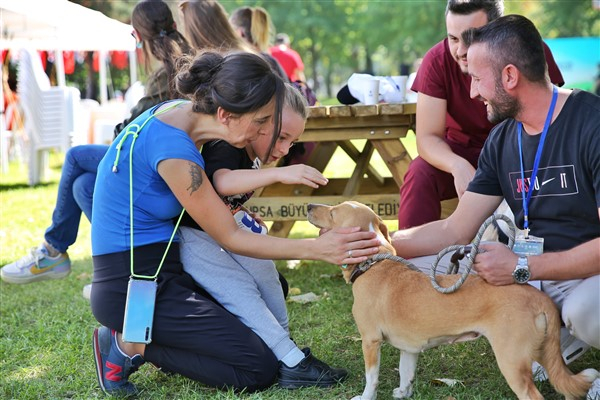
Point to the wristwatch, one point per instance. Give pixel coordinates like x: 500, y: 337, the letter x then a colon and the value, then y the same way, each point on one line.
x: 521, y: 273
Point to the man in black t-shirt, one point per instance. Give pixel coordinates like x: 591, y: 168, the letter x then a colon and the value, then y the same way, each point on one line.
x: 544, y: 159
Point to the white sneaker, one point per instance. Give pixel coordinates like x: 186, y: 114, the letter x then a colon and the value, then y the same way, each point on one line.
x: 87, y: 291
x: 37, y: 266
x: 571, y: 347
x: 594, y: 392
x: 539, y: 372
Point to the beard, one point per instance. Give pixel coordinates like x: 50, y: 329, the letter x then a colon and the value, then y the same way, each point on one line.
x: 503, y: 106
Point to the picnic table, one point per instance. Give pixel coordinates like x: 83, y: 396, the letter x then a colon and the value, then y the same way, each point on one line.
x: 332, y: 127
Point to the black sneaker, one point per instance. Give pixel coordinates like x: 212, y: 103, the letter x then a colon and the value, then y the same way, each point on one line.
x: 309, y: 372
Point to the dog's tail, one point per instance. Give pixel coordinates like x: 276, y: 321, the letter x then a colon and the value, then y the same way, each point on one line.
x: 564, y: 381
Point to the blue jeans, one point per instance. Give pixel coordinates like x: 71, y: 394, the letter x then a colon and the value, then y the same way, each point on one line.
x: 75, y: 192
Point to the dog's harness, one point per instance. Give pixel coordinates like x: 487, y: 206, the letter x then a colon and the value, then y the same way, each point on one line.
x: 365, y: 265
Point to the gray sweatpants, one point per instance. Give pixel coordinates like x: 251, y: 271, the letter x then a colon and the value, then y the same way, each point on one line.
x: 249, y: 288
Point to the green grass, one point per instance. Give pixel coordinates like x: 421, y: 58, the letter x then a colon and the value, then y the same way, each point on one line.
x: 46, y: 327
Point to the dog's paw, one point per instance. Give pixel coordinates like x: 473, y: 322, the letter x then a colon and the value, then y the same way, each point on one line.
x: 402, y: 394
x: 366, y: 396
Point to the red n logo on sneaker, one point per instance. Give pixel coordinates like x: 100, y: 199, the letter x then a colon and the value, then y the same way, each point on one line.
x: 114, y: 372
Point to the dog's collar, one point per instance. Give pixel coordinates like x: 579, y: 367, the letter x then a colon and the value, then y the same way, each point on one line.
x: 365, y: 265
x: 361, y: 269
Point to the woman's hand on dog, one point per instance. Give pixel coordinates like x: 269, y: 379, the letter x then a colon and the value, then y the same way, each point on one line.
x: 495, y: 263
x: 338, y: 244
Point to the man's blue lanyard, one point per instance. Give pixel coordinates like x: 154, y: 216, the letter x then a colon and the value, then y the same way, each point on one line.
x: 536, y: 162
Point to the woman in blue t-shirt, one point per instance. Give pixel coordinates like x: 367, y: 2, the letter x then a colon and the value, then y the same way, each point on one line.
x: 236, y: 98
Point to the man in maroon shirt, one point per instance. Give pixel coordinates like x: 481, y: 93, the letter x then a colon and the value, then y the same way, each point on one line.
x: 451, y: 127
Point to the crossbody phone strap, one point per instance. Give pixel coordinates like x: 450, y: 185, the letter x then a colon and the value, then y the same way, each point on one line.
x: 134, y: 130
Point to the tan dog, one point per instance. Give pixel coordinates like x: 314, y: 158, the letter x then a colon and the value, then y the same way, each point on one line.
x: 399, y: 305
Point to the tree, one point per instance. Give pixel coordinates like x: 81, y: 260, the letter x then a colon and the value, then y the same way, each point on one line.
x: 560, y: 18
x: 338, y: 37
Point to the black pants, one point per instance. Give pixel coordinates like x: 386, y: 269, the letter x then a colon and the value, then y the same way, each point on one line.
x: 192, y: 335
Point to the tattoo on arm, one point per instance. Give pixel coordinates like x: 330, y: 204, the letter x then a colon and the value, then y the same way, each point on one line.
x: 196, y: 177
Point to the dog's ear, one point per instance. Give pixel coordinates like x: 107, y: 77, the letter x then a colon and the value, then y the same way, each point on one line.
x: 384, y: 230
x: 386, y: 236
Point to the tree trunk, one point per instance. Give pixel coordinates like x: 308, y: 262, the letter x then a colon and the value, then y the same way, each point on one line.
x: 328, y: 78
x: 314, y: 61
x: 90, y: 82
x: 369, y: 61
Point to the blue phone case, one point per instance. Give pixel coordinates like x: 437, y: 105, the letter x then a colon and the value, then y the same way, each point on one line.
x: 139, y: 311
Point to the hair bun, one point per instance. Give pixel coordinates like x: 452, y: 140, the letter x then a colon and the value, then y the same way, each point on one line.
x: 238, y: 82
x: 195, y: 79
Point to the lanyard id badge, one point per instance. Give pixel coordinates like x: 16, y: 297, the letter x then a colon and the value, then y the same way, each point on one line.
x: 528, y: 246
x: 538, y: 156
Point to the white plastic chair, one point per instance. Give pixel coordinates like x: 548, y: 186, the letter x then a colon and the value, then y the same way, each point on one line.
x: 48, y: 110
x: 5, y: 136
x: 83, y: 128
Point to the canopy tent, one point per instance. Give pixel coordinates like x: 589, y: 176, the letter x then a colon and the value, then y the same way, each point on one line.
x: 62, y: 25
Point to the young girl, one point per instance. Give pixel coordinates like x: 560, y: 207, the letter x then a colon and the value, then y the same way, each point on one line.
x: 229, y: 277
x: 140, y: 190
